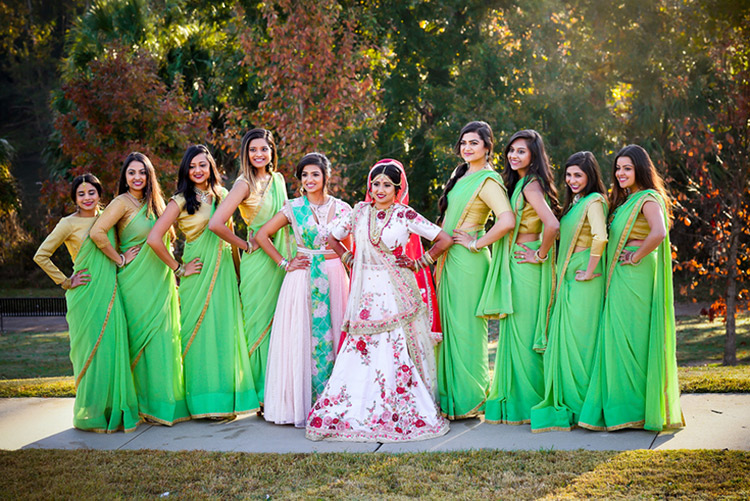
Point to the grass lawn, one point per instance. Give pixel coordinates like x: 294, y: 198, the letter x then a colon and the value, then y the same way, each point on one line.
x: 49, y: 474
x: 34, y: 354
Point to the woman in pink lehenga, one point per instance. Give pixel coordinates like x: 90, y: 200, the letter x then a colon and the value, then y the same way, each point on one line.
x: 383, y: 385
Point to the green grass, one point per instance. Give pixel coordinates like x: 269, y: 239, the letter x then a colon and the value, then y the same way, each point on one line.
x: 53, y: 474
x: 34, y: 354
x: 54, y: 291
x: 38, y: 387
x: 714, y: 379
x: 700, y: 341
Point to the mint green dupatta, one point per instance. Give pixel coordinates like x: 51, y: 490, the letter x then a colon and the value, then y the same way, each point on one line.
x: 634, y: 381
x: 518, y: 383
x: 320, y: 303
x: 218, y: 379
x: 149, y: 297
x: 468, y: 286
x: 260, y: 283
x: 105, y: 395
x: 574, y: 328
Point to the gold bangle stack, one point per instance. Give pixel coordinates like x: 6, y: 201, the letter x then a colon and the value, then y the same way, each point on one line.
x: 180, y: 271
x: 539, y: 258
x: 424, y: 261
x: 347, y: 258
x: 473, y: 246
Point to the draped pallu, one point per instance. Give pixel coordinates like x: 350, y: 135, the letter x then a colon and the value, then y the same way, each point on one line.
x: 634, y: 379
x: 149, y: 296
x: 260, y: 281
x: 574, y: 327
x: 518, y: 382
x: 218, y: 379
x: 470, y: 290
x: 105, y: 395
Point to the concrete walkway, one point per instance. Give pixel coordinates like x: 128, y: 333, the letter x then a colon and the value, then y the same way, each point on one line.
x: 714, y: 421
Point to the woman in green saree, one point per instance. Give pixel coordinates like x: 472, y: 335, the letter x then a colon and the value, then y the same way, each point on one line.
x: 634, y: 380
x: 574, y: 324
x: 218, y: 380
x: 259, y: 192
x: 149, y: 293
x: 469, y: 277
x: 105, y: 395
x: 518, y: 383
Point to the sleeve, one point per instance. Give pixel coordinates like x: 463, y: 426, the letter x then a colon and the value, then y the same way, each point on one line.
x: 286, y: 209
x: 495, y: 197
x: 180, y: 201
x: 418, y: 224
x: 598, y: 223
x: 53, y: 241
x: 110, y: 216
x: 342, y: 225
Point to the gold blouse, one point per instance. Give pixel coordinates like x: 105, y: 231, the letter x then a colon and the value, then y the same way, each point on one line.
x: 594, y: 231
x: 641, y: 229
x: 71, y: 231
x: 530, y: 221
x: 251, y: 205
x: 119, y: 212
x: 193, y: 225
x: 491, y: 197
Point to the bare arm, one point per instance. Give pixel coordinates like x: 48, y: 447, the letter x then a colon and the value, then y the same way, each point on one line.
x: 657, y: 233
x: 218, y: 222
x: 535, y: 196
x: 155, y: 240
x: 443, y: 241
x: 263, y: 239
x: 109, y: 217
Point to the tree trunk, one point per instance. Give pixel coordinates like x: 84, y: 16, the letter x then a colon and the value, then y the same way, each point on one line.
x: 730, y: 338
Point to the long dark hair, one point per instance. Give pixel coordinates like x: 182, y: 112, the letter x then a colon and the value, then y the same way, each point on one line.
x: 186, y: 187
x: 318, y: 159
x: 539, y: 168
x: 484, y: 131
x: 390, y: 170
x: 586, y: 161
x: 646, y: 177
x: 245, y: 166
x: 152, y: 194
x: 84, y: 178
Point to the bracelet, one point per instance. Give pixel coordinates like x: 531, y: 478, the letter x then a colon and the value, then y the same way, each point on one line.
x: 283, y: 264
x: 180, y: 271
x: 630, y: 261
x: 473, y: 246
x: 249, y: 247
x: 347, y: 258
x: 539, y: 258
x: 122, y: 261
x: 424, y: 261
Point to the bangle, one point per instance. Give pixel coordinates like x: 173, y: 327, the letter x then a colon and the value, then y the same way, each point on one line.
x: 180, y: 271
x: 283, y: 264
x: 122, y: 261
x: 539, y: 258
x: 473, y: 246
x: 347, y: 258
x: 249, y: 249
x: 630, y: 260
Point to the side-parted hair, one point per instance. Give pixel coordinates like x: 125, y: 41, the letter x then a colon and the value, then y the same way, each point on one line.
x: 586, y: 161
x: 390, y: 170
x: 646, y: 178
x: 152, y: 193
x: 246, y: 168
x: 318, y: 159
x: 84, y: 178
x: 484, y: 131
x: 539, y: 168
x: 186, y: 187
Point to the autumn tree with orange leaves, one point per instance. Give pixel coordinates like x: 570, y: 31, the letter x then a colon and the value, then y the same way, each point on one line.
x: 714, y: 206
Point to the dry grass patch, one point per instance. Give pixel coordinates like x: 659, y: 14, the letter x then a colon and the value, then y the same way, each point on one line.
x: 687, y: 474
x: 38, y: 387
x: 715, y: 379
x: 53, y: 474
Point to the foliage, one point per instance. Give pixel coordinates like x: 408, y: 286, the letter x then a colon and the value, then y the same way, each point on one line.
x: 12, y: 234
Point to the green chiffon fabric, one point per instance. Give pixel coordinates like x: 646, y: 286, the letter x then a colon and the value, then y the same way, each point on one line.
x: 469, y: 291
x: 260, y: 283
x: 573, y: 330
x: 218, y: 379
x: 149, y: 297
x: 634, y: 379
x: 105, y: 395
x: 518, y: 382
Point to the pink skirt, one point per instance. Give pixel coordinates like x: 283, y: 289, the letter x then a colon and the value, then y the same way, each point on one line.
x: 288, y: 392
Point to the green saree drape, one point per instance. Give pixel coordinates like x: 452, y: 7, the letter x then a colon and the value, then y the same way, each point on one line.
x: 518, y: 382
x: 634, y: 380
x: 149, y: 296
x: 573, y: 330
x: 469, y: 286
x: 260, y: 283
x: 218, y: 379
x: 105, y: 395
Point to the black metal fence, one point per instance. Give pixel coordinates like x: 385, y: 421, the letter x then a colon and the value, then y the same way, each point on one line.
x: 31, y: 307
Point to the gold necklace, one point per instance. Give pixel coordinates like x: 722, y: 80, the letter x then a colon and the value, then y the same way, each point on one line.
x: 203, y: 196
x: 374, y: 232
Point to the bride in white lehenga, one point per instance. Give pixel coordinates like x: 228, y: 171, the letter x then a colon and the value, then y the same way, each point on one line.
x: 383, y: 384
